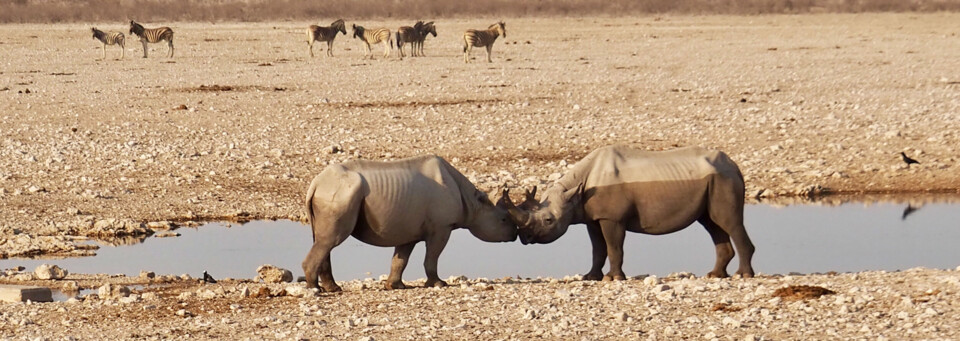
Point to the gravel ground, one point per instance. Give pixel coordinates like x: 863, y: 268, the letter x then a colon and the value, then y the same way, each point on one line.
x: 914, y: 304
x: 236, y: 125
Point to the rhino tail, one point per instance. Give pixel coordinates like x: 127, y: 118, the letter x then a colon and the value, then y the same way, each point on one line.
x: 309, y: 203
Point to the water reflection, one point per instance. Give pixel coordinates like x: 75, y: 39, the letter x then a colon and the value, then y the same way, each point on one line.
x: 795, y: 238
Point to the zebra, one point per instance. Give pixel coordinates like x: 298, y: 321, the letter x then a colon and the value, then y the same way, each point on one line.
x: 407, y: 34
x: 374, y: 36
x: 109, y: 38
x: 152, y: 35
x: 325, y: 33
x: 483, y: 38
x: 415, y: 36
x: 427, y: 28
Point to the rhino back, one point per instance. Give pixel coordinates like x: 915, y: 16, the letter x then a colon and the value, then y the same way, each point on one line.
x: 623, y: 165
x: 403, y: 198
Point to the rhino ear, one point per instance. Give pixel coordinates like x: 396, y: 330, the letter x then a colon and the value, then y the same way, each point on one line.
x: 573, y: 193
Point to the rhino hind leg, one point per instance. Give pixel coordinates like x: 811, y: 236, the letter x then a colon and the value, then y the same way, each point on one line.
x: 599, y: 249
x: 726, y: 211
x: 613, y: 234
x: 435, y: 244
x: 724, y: 250
x: 332, y: 222
x: 401, y: 255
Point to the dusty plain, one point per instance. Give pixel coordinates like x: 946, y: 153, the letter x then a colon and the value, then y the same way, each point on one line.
x: 238, y: 122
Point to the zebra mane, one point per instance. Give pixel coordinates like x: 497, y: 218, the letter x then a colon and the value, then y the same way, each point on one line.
x: 339, y: 26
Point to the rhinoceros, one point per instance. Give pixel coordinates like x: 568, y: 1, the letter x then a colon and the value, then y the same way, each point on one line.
x: 616, y: 189
x: 397, y: 203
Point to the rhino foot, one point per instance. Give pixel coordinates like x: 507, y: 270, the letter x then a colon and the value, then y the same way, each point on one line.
x: 745, y: 274
x: 620, y: 277
x: 394, y: 285
x: 717, y: 274
x: 331, y: 288
x: 435, y: 283
x: 592, y: 277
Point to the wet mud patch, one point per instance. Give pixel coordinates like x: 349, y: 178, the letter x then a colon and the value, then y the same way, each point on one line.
x: 801, y: 292
x: 229, y: 88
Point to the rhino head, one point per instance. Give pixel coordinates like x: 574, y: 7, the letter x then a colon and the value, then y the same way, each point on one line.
x: 545, y: 221
x: 491, y: 222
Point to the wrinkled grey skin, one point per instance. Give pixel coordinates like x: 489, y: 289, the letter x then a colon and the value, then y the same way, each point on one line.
x: 617, y: 189
x: 398, y: 204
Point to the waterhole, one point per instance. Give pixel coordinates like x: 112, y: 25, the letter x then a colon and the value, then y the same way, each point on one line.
x: 797, y: 238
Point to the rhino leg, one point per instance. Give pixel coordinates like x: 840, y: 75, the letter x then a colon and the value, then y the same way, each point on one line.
x: 599, y: 252
x: 726, y: 210
x: 317, y: 264
x: 401, y: 255
x: 613, y: 234
x: 724, y: 249
x: 435, y: 244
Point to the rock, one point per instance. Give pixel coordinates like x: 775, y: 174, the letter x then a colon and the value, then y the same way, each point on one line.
x: 20, y: 293
x: 47, y: 271
x: 300, y: 291
x: 147, y: 274
x: 113, y: 291
x: 651, y: 281
x: 272, y: 274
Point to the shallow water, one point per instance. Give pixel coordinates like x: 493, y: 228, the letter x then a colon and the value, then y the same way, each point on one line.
x: 798, y: 238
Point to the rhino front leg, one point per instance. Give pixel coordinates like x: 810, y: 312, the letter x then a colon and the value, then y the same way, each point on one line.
x: 401, y: 255
x: 435, y: 244
x: 724, y: 249
x: 613, y: 234
x: 599, y: 252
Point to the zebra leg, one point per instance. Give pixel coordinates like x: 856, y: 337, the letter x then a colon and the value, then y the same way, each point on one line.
x: 122, y: 50
x: 466, y: 53
x: 310, y: 47
x: 104, y: 54
x: 386, y: 48
x: 144, y: 42
x: 170, y: 44
x: 489, y: 51
x: 330, y: 48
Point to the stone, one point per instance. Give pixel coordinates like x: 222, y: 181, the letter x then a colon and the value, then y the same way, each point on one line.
x: 651, y: 281
x: 300, y: 291
x: 48, y: 271
x: 111, y: 291
x: 147, y: 274
x: 272, y: 274
x: 23, y: 293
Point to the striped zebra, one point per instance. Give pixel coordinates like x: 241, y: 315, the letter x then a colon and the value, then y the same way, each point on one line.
x: 109, y: 38
x: 407, y: 34
x: 326, y: 34
x: 152, y: 35
x: 374, y: 36
x: 415, y: 36
x: 427, y: 28
x: 483, y: 38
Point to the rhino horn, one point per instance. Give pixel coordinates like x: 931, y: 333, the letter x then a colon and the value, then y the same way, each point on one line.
x: 518, y: 216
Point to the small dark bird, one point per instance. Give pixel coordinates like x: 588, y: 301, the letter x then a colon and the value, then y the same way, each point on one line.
x: 908, y: 211
x: 207, y: 278
x: 908, y: 160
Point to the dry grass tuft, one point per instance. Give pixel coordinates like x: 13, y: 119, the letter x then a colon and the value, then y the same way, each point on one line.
x: 22, y: 11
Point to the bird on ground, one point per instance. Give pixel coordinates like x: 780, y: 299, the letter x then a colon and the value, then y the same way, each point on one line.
x: 207, y: 278
x: 908, y: 160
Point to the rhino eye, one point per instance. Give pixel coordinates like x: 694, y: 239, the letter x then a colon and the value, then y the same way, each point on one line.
x: 549, y: 220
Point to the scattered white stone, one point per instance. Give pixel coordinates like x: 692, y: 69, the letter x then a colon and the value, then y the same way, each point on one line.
x: 272, y: 274
x: 48, y: 271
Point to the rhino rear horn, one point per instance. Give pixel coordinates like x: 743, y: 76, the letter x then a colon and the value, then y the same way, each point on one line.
x: 518, y: 216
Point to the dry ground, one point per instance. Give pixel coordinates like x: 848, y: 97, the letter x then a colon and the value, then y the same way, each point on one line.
x: 798, y: 101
